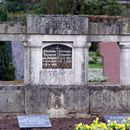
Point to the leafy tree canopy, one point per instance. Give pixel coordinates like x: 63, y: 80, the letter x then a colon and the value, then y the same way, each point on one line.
x: 3, y: 13
x: 104, y: 7
x: 90, y: 7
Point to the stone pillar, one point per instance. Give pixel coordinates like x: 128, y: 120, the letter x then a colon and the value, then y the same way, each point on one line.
x: 35, y: 65
x: 80, y: 63
x: 32, y: 63
x: 87, y: 61
x: 125, y: 63
x: 26, y: 45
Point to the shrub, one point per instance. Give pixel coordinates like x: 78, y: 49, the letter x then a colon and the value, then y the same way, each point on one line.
x: 10, y: 72
x: 7, y: 71
x: 3, y: 13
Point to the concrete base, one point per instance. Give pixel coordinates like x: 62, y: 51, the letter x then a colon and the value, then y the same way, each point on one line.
x: 65, y: 101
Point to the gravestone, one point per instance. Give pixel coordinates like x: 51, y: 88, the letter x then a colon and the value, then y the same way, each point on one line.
x: 118, y: 118
x: 34, y: 121
x: 57, y: 54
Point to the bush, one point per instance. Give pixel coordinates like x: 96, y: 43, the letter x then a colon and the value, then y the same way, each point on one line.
x: 3, y: 13
x: 7, y: 71
x: 10, y: 72
x: 14, y: 5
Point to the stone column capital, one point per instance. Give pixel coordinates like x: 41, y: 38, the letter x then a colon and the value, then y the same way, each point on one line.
x: 26, y: 43
x: 79, y: 45
x: 88, y: 45
x: 31, y: 44
x: 124, y: 45
x: 82, y: 45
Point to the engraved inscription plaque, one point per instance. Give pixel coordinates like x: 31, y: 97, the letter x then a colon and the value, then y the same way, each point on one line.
x: 34, y: 121
x: 119, y: 118
x: 57, y: 57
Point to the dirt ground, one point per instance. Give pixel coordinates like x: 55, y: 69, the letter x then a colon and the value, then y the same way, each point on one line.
x: 11, y: 123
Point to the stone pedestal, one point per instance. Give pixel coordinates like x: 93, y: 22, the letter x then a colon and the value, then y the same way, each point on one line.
x: 125, y: 63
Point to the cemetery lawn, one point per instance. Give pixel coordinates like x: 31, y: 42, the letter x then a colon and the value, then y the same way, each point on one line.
x: 10, y: 123
x: 95, y: 66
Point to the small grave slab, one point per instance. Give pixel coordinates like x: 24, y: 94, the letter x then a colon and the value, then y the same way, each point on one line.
x: 34, y: 121
x: 118, y: 118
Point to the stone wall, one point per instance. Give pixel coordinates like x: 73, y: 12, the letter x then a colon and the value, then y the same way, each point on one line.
x: 12, y: 99
x: 109, y: 99
x: 62, y: 101
x: 105, y: 25
x: 57, y: 101
x: 57, y: 24
x: 68, y: 24
x: 12, y: 27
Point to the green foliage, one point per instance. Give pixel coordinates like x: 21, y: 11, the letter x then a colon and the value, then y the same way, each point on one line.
x: 103, y: 7
x: 90, y: 7
x: 40, y: 7
x: 95, y: 66
x: 3, y: 13
x: 10, y: 72
x: 15, y: 5
x: 54, y: 7
x: 7, y: 71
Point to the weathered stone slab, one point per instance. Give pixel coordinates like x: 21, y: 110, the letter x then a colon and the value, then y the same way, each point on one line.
x: 109, y: 99
x: 105, y: 25
x: 57, y: 101
x: 12, y: 27
x: 57, y: 24
x: 11, y: 99
x: 125, y: 26
x: 36, y: 99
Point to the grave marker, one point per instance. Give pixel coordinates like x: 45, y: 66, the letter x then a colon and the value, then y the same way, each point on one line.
x: 57, y: 57
x: 118, y: 118
x: 34, y: 121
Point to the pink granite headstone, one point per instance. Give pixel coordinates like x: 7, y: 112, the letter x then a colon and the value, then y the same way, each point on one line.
x: 110, y: 53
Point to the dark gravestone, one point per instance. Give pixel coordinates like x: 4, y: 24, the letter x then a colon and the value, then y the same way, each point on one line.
x: 57, y: 57
x: 118, y: 118
x: 34, y: 121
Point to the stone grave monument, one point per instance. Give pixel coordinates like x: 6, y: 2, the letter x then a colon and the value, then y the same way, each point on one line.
x: 56, y: 50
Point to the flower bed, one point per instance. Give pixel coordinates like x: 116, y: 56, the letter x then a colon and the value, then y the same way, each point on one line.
x: 96, y: 125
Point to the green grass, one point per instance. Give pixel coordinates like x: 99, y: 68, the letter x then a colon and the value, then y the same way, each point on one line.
x: 95, y: 66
